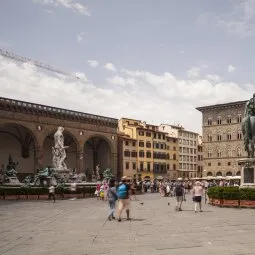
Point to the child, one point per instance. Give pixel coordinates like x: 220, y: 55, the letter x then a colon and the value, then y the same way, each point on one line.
x: 52, y: 193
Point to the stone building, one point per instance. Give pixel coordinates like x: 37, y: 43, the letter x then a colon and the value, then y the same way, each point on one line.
x: 188, y: 151
x: 152, y: 147
x: 222, y: 138
x: 26, y: 133
x: 200, y: 162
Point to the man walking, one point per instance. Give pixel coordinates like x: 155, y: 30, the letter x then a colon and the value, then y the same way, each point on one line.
x: 179, y: 193
x: 123, y: 194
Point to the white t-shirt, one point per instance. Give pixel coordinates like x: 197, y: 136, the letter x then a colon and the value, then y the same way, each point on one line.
x: 51, y: 189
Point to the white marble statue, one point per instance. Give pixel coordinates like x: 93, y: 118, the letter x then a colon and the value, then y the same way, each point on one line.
x: 58, y: 151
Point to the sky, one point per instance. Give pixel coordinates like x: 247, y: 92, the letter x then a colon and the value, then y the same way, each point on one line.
x: 155, y: 61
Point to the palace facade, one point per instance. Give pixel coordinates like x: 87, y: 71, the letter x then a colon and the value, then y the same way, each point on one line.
x: 222, y: 138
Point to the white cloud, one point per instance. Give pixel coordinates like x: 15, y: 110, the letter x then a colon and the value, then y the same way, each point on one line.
x: 110, y: 67
x: 193, y: 72
x: 240, y: 21
x: 135, y: 93
x: 93, y: 63
x: 213, y: 78
x: 80, y: 37
x: 69, y: 4
x: 231, y: 68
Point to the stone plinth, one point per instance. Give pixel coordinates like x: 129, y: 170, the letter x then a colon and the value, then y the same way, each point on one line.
x: 247, y: 172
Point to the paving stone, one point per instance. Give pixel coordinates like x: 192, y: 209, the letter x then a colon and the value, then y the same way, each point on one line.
x: 80, y: 227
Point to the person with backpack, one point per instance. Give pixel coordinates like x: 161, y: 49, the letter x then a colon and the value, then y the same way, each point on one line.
x: 112, y: 198
x: 179, y: 193
x: 123, y: 194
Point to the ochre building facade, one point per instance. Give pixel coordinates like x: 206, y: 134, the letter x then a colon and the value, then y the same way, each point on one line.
x: 27, y: 129
x: 222, y: 138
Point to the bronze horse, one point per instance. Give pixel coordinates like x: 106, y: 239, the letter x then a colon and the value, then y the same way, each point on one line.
x: 248, y: 130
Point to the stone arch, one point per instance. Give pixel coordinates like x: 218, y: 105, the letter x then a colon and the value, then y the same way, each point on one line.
x: 98, y: 150
x: 71, y: 152
x: 238, y: 173
x: 209, y: 174
x: 19, y: 142
x: 219, y: 173
x: 229, y: 173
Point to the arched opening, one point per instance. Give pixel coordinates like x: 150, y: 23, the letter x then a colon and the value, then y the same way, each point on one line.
x: 71, y: 151
x: 17, y: 145
x: 97, y: 156
x: 209, y: 174
x: 229, y: 173
x: 238, y: 173
x: 219, y: 174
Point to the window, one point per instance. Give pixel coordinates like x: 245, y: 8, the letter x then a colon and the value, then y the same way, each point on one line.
x: 141, y: 144
x: 127, y: 153
x: 164, y: 137
x: 229, y: 163
x: 239, y: 118
x: 239, y: 152
x: 159, y: 136
x: 174, y: 140
x: 167, y: 156
x: 134, y: 166
x: 219, y: 120
x: 133, y: 144
x: 229, y: 119
x: 219, y: 137
x: 127, y: 165
x: 136, y: 123
x: 209, y: 137
x: 219, y: 154
x: 174, y: 148
x: 209, y: 154
x: 141, y: 166
x: 209, y: 122
x: 141, y: 154
x: 133, y: 154
x: 167, y: 167
x: 148, y: 154
x: 126, y: 143
x: 209, y: 163
x: 141, y: 133
x: 148, y: 134
x: 228, y: 136
x: 148, y: 167
x: 148, y: 145
x: 229, y: 153
x: 239, y: 135
x: 219, y: 164
x: 174, y: 157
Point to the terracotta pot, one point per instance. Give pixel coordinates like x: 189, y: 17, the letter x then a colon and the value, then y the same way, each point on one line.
x: 227, y: 202
x: 247, y: 203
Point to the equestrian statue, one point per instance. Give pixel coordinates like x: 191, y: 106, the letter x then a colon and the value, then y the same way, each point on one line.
x: 248, y: 127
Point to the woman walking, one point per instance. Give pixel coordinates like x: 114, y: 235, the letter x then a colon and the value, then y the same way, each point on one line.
x: 112, y: 198
x: 197, y: 193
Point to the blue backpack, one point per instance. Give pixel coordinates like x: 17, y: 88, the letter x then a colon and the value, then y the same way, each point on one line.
x: 122, y: 192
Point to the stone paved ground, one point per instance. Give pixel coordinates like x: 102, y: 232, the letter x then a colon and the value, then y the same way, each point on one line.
x: 79, y: 227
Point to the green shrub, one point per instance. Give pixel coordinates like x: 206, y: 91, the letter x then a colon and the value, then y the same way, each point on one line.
x: 247, y: 194
x: 230, y: 193
x: 215, y: 192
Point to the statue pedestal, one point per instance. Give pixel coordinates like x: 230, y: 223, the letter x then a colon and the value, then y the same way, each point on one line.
x: 63, y: 174
x: 247, y: 172
x: 12, y: 181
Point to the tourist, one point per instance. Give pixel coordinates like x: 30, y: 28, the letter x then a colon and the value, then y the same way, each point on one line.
x: 112, y: 198
x: 180, y: 194
x: 197, y: 193
x: 123, y: 194
x: 52, y: 193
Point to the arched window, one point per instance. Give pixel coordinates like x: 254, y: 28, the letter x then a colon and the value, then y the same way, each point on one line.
x: 209, y: 137
x: 209, y: 122
x: 238, y: 173
x: 209, y: 174
x: 219, y: 153
x: 239, y: 118
x: 239, y: 134
x: 239, y: 152
x: 229, y: 173
x: 229, y: 153
x: 229, y: 119
x: 219, y: 173
x: 229, y: 135
x: 174, y: 167
x: 174, y: 157
x: 219, y: 137
x: 209, y: 153
x: 219, y: 120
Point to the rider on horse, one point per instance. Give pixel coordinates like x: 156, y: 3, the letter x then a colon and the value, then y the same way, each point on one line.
x: 247, y: 126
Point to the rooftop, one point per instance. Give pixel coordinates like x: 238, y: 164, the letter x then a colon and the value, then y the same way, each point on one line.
x: 13, y: 105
